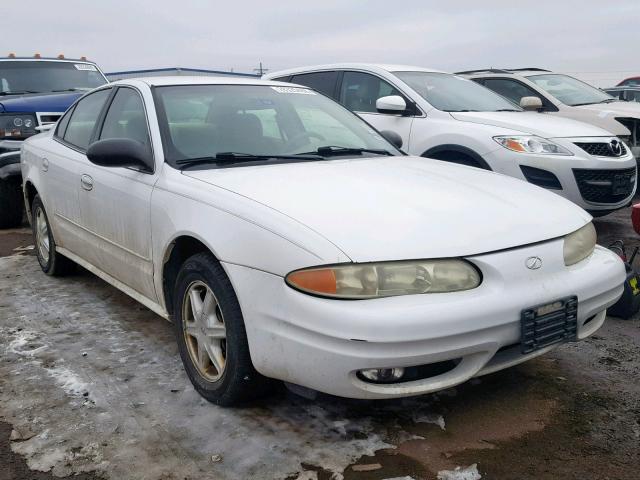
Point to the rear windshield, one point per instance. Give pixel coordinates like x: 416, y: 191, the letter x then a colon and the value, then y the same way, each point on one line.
x: 451, y: 93
x: 18, y: 77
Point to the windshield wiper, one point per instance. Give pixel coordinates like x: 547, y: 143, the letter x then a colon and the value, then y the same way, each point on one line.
x: 74, y: 89
x: 18, y: 92
x: 609, y: 100
x: 238, y: 157
x: 334, y: 151
x: 458, y: 111
x: 507, y: 110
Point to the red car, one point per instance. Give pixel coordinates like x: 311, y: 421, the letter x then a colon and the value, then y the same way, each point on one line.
x: 630, y: 82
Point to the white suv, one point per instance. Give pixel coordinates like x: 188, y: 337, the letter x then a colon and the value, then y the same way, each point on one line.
x: 565, y: 96
x: 447, y: 117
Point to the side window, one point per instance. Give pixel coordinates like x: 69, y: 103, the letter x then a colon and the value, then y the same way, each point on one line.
x: 62, y: 124
x: 360, y: 91
x: 510, y: 89
x: 84, y: 118
x: 126, y: 118
x: 323, y: 82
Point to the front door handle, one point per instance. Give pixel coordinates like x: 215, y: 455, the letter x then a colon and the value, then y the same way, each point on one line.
x: 87, y: 182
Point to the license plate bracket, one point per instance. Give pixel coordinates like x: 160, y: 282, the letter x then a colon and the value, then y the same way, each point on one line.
x: 548, y: 324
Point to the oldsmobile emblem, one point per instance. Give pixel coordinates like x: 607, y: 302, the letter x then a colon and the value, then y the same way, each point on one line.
x: 533, y: 263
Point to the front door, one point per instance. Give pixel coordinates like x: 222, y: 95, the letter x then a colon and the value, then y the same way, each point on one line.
x: 115, y: 202
x: 359, y: 92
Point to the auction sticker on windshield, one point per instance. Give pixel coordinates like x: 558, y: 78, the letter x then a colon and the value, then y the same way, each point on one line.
x: 85, y: 66
x: 303, y: 91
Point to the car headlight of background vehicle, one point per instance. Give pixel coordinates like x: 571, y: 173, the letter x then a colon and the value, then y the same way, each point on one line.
x: 579, y: 244
x: 531, y: 144
x: 386, y: 279
x: 17, y: 126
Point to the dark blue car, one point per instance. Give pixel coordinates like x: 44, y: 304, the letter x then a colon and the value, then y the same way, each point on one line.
x: 34, y: 93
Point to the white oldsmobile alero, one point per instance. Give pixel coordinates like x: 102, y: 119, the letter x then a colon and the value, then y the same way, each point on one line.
x: 289, y: 240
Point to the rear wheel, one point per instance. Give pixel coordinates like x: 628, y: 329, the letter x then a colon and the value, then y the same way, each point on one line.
x: 11, y: 203
x: 51, y: 262
x: 211, y: 335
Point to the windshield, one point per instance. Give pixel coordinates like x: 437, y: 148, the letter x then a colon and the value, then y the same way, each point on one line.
x: 451, y: 93
x: 199, y: 121
x: 43, y: 77
x: 569, y: 90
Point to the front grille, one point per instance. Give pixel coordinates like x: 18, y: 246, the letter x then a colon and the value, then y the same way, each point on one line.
x: 605, y: 186
x: 48, y: 118
x: 601, y: 149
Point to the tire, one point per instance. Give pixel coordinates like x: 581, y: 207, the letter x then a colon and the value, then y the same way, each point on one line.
x: 220, y: 369
x: 11, y: 203
x: 459, y: 158
x: 51, y: 262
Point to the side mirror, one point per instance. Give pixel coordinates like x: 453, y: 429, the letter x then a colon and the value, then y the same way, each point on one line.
x: 533, y: 104
x: 391, y: 104
x: 392, y: 137
x: 120, y: 152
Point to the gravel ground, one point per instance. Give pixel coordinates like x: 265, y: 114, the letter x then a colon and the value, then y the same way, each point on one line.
x: 91, y: 386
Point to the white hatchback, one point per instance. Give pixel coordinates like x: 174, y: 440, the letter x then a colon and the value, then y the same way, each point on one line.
x: 288, y: 240
x: 447, y: 117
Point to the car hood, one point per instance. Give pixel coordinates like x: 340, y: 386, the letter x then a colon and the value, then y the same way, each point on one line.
x: 395, y: 208
x: 533, y: 123
x: 43, y: 102
x: 614, y: 109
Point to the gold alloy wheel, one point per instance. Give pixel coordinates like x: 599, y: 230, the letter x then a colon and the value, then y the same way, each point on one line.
x: 204, y: 331
x: 42, y: 235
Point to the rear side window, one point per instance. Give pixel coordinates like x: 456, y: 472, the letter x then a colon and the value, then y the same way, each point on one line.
x: 84, y: 117
x: 323, y: 82
x: 360, y: 91
x: 126, y: 118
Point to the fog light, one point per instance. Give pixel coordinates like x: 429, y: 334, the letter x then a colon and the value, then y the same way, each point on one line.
x: 382, y: 375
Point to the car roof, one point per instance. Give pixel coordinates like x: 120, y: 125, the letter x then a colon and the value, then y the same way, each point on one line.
x: 188, y: 80
x: 375, y: 67
x: 504, y: 71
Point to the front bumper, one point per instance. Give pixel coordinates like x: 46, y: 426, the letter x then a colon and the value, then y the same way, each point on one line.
x: 321, y: 344
x: 564, y: 169
x: 9, y: 158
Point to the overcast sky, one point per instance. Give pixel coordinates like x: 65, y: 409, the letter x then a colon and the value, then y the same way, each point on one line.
x: 598, y: 40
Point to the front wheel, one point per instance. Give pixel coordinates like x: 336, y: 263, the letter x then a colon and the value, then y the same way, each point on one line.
x: 211, y: 335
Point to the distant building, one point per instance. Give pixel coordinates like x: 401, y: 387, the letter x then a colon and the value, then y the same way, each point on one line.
x: 162, y: 72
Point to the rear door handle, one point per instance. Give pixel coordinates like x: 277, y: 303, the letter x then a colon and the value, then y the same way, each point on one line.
x: 87, y: 182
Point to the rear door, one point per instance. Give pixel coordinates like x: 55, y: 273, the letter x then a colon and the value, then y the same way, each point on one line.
x: 62, y: 165
x: 115, y: 202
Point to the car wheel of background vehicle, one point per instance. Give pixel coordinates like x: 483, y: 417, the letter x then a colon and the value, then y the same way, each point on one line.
x: 11, y: 203
x: 461, y: 157
x: 51, y: 262
x: 211, y: 335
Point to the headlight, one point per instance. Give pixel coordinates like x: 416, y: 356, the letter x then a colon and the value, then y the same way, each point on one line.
x: 579, y: 244
x: 532, y: 144
x: 373, y: 280
x: 17, y: 126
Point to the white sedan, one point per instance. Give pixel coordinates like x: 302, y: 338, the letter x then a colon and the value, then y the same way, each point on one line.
x: 287, y: 239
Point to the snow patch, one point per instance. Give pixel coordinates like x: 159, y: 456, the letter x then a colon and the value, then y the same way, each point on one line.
x: 430, y: 418
x: 469, y: 473
x: 68, y: 380
x: 22, y: 339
